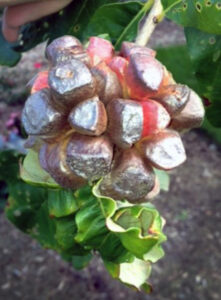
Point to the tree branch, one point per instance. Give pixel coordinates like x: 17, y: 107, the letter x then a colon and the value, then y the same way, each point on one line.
x: 150, y: 23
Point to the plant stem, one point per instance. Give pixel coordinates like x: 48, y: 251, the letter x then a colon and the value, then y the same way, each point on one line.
x: 150, y: 23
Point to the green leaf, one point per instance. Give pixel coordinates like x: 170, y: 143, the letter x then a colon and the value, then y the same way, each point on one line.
x: 119, y: 20
x: 134, y: 274
x: 113, y: 250
x: 44, y: 229
x: 83, y: 195
x: 32, y: 172
x: 91, y: 224
x: 154, y: 254
x: 164, y: 179
x: 205, y: 53
x: 23, y: 202
x: 204, y: 15
x: 213, y: 131
x: 80, y: 262
x: 91, y: 218
x: 9, y: 165
x: 213, y: 114
x: 61, y: 203
x: 138, y: 227
x: 23, y: 199
x: 200, y: 68
x: 8, y: 57
x: 178, y: 62
x: 66, y: 230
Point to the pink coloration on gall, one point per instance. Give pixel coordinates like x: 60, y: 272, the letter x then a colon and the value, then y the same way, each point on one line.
x: 40, y: 82
x: 155, y: 117
x: 100, y: 50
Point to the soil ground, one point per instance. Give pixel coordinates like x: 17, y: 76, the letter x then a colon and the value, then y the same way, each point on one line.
x: 190, y: 269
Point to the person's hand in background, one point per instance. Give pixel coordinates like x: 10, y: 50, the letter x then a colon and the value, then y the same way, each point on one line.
x: 20, y: 14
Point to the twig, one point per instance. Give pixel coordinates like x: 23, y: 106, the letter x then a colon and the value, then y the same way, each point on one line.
x: 150, y: 23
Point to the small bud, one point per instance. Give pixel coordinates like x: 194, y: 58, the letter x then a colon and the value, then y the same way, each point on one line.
x: 40, y: 117
x: 71, y: 82
x: 155, y: 117
x: 191, y: 116
x: 39, y: 82
x: 56, y: 50
x: 89, y: 157
x: 107, y: 84
x: 163, y: 150
x: 130, y: 178
x: 33, y: 142
x: 100, y: 50
x: 155, y: 191
x: 174, y: 98
x: 144, y: 76
x: 89, y: 117
x: 125, y: 122
x: 167, y: 80
x: 128, y: 49
x: 52, y: 158
x: 119, y: 66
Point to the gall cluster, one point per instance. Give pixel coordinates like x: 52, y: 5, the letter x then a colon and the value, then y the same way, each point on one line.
x: 96, y: 113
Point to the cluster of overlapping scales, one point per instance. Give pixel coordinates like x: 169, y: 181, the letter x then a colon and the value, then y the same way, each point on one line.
x: 98, y: 114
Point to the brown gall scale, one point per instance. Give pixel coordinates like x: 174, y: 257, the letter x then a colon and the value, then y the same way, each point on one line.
x: 40, y: 116
x: 191, y: 116
x: 174, y: 98
x: 66, y: 55
x: 53, y: 160
x: 56, y: 50
x: 89, y: 157
x: 125, y: 122
x: 71, y: 82
x: 107, y: 84
x: 83, y: 57
x: 130, y: 178
x: 127, y: 49
x: 89, y: 117
x: 163, y: 150
x: 144, y: 76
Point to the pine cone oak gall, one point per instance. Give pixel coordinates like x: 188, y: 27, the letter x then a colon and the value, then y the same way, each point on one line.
x: 191, y: 116
x: 52, y: 158
x: 144, y: 76
x: 107, y: 84
x: 130, y: 178
x: 40, y: 116
x: 89, y: 157
x: 163, y: 150
x: 89, y: 117
x: 174, y: 98
x: 125, y: 122
x: 97, y: 114
x: 62, y: 48
x: 71, y: 82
